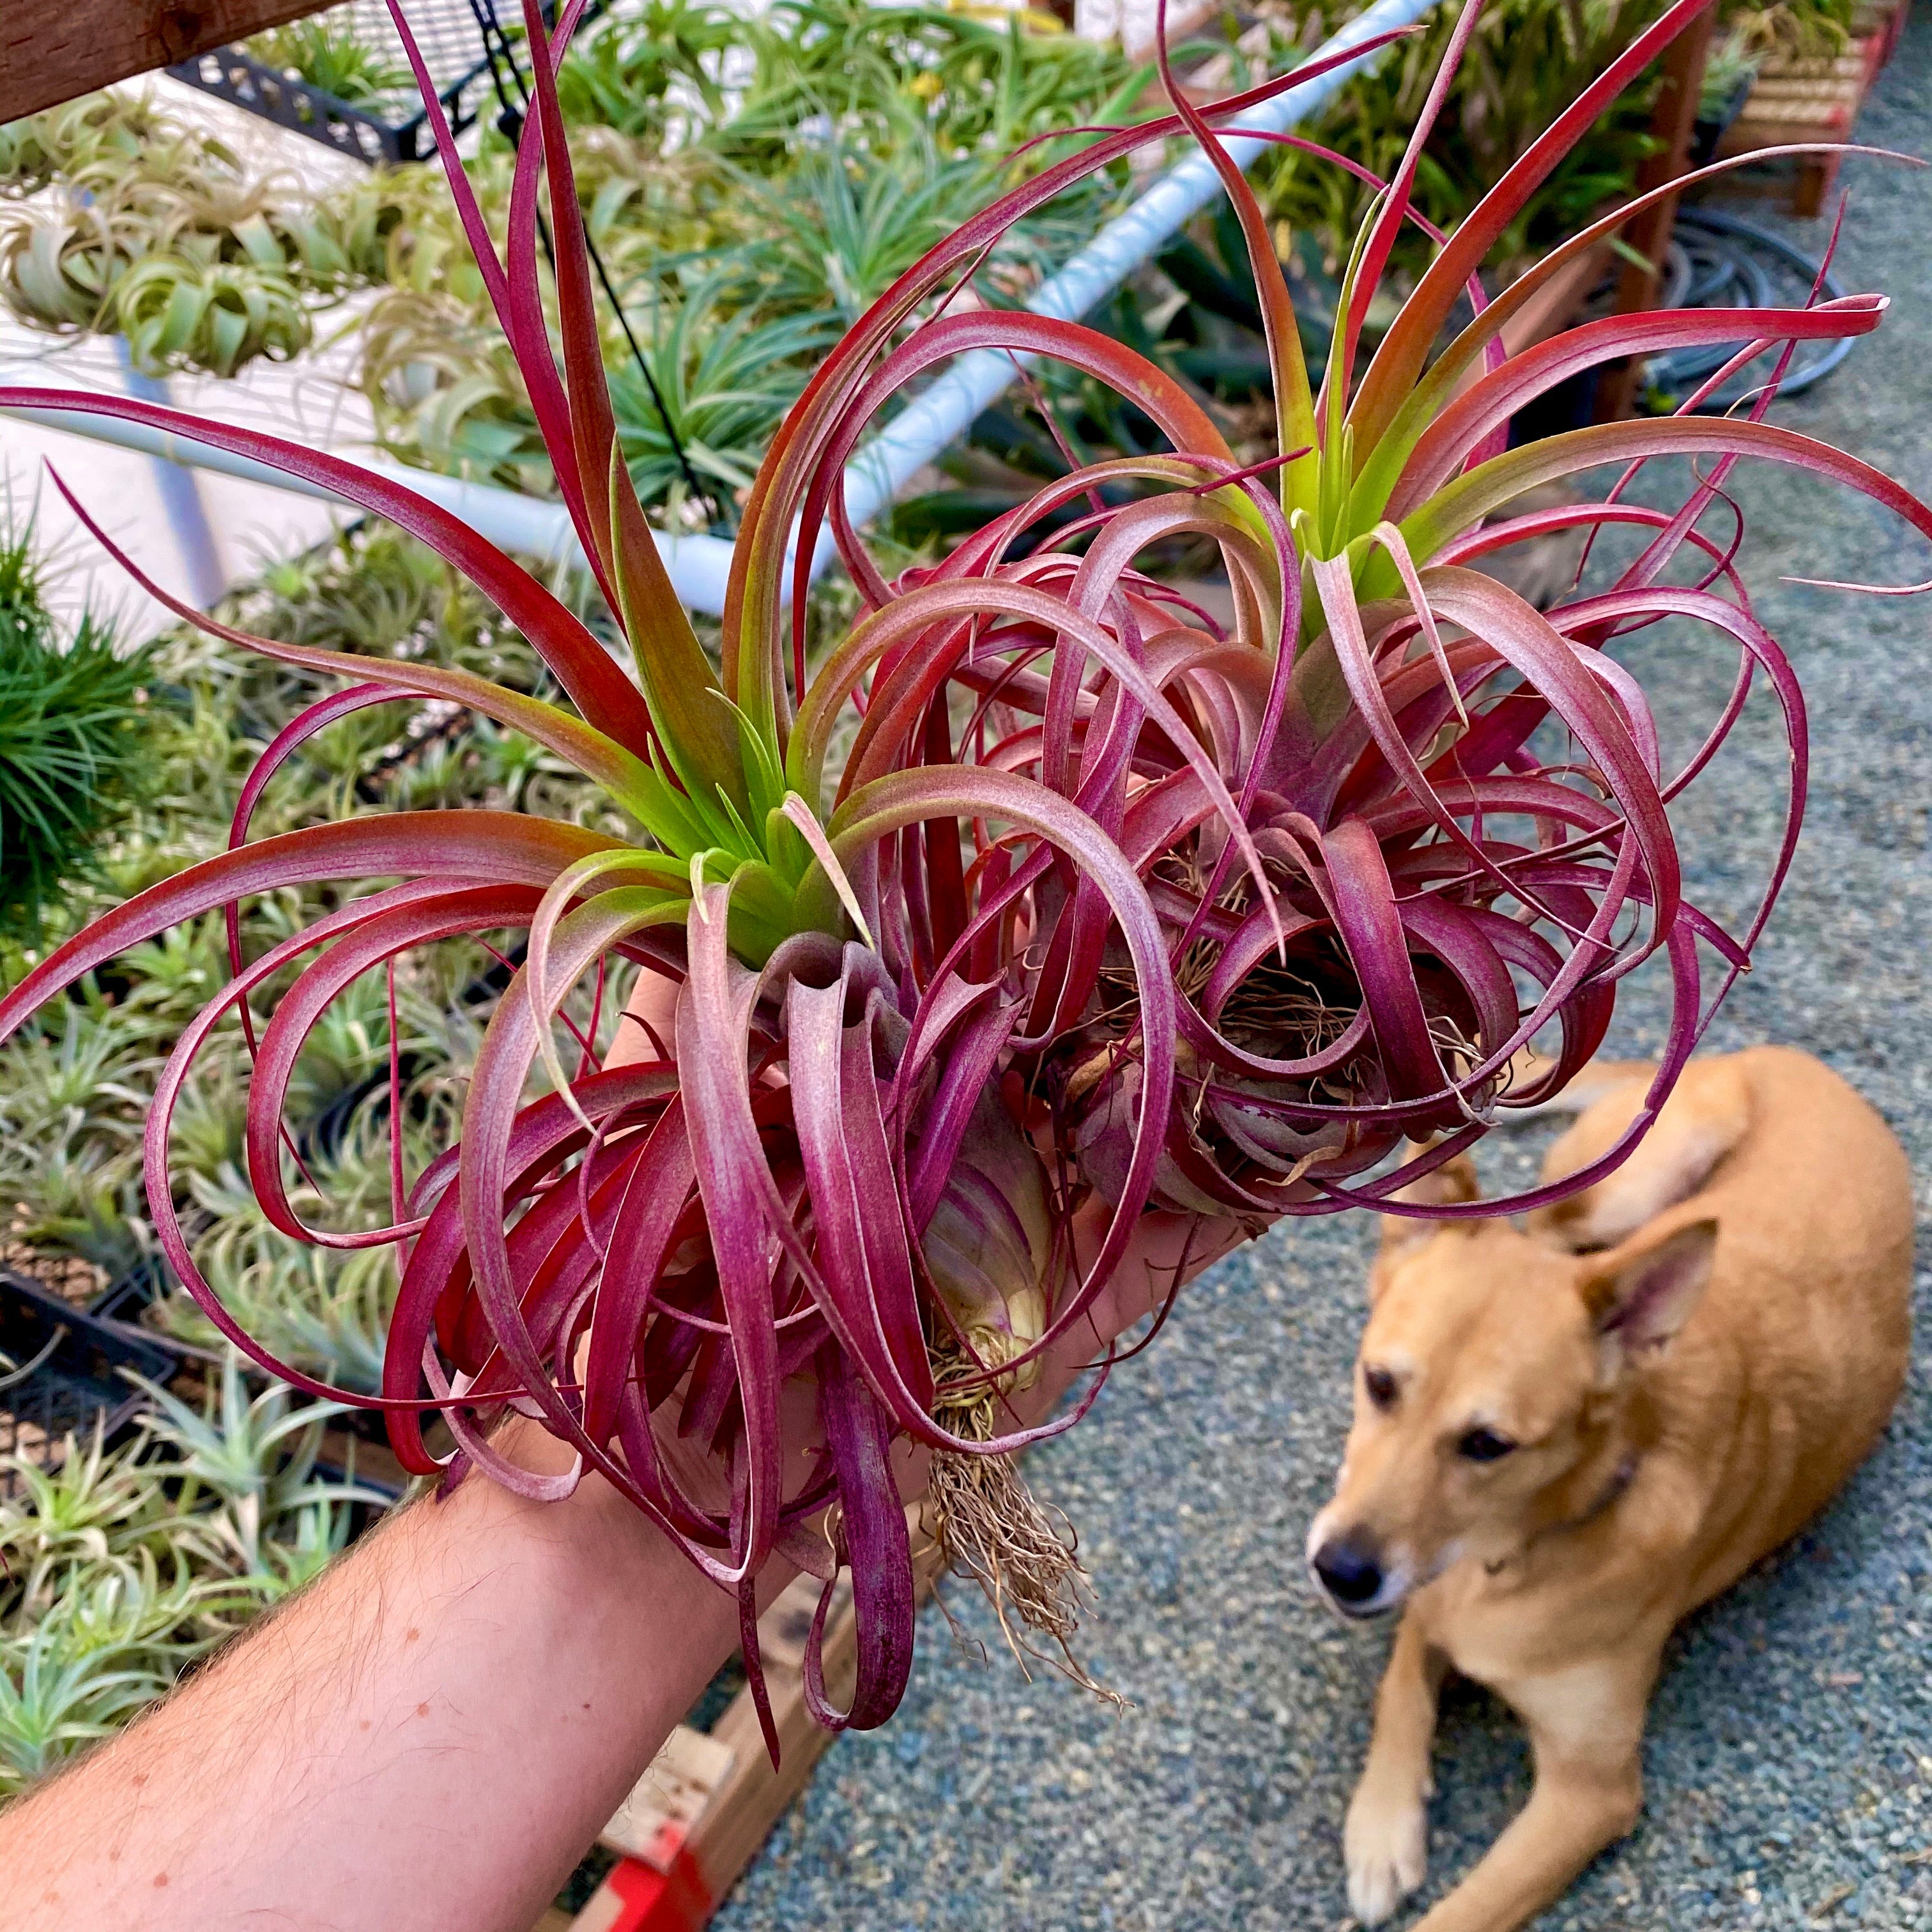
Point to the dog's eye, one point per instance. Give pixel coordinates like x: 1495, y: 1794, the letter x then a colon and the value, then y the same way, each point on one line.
x: 1484, y: 1445
x: 1380, y: 1387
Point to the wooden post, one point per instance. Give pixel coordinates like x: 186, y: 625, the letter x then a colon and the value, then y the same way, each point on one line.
x: 50, y: 54
x: 1671, y: 123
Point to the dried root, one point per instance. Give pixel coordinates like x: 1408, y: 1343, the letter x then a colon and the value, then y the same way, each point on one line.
x: 988, y: 1524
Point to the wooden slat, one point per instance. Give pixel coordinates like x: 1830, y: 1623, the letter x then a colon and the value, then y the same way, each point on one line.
x: 50, y: 54
x: 710, y: 1841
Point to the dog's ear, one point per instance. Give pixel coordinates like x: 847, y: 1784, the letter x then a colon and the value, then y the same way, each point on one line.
x: 1453, y: 1180
x: 1640, y: 1294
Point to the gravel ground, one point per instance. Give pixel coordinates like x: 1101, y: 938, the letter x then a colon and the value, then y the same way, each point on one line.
x: 1789, y: 1763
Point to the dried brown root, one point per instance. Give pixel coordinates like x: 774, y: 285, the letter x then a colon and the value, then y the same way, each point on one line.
x: 988, y: 1525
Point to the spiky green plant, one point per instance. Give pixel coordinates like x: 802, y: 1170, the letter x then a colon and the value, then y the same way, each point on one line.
x: 326, y: 51
x: 57, y: 1696
x: 256, y: 1451
x: 74, y: 735
x: 844, y: 228
x: 120, y: 1566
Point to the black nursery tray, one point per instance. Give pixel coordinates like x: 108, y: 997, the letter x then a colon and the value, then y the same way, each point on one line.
x: 66, y: 1377
x: 464, y: 44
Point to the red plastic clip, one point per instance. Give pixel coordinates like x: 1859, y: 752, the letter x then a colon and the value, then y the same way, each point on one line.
x: 636, y: 1898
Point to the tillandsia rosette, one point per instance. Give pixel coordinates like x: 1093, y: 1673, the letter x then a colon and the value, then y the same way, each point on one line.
x: 1110, y: 909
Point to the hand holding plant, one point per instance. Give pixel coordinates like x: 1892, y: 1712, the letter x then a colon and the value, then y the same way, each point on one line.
x: 1114, y: 926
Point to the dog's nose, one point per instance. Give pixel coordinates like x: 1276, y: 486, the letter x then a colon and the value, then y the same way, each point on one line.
x: 1351, y: 1570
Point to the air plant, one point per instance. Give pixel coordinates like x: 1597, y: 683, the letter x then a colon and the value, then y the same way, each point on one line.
x: 725, y: 379
x: 157, y: 232
x: 1110, y: 909
x: 884, y: 74
x: 75, y: 138
x: 121, y: 1565
x: 328, y: 53
x: 57, y: 1697
x: 626, y: 74
x: 74, y: 732
x: 257, y: 1452
x: 844, y: 229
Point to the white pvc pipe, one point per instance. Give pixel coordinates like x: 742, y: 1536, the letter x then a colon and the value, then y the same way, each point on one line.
x: 526, y: 526
x: 700, y: 566
x: 181, y: 496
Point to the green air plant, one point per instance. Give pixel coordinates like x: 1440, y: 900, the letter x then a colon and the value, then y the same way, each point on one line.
x: 73, y: 736
x: 120, y: 1566
x: 844, y: 228
x: 626, y: 72
x: 1111, y: 908
x: 57, y: 1697
x: 726, y: 379
x: 883, y: 74
x: 75, y: 140
x: 326, y: 51
x: 256, y: 1452
x: 154, y: 230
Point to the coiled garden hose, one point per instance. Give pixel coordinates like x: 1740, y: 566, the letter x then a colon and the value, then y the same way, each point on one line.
x: 1717, y: 260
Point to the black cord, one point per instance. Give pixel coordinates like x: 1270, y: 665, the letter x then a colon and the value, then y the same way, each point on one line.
x: 510, y: 121
x: 1720, y: 260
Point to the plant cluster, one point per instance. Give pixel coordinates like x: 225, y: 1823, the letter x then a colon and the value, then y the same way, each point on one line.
x: 118, y: 217
x: 1043, y: 903
x: 120, y: 1567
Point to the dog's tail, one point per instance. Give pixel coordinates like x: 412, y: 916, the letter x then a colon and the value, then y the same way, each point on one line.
x: 1600, y: 1078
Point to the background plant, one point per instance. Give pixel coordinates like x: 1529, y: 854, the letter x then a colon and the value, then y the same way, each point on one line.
x: 1526, y: 62
x: 120, y: 1567
x: 74, y: 733
x: 73, y: 1096
x: 327, y: 53
x: 125, y: 220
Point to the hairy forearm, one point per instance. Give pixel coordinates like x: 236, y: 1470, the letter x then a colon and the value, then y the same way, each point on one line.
x: 431, y: 1735
x: 427, y: 1737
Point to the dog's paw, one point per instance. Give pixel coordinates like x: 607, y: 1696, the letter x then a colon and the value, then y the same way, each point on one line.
x: 1386, y: 1844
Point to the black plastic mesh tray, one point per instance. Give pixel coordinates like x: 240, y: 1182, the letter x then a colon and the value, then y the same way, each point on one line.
x: 458, y: 39
x: 66, y: 1378
x: 450, y: 37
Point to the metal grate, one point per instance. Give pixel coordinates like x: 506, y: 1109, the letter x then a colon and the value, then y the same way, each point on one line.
x: 448, y: 32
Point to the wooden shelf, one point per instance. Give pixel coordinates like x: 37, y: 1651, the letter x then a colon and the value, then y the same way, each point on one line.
x: 50, y: 54
x: 1796, y: 100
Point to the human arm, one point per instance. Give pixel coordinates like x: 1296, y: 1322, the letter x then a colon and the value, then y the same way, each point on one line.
x: 430, y: 1735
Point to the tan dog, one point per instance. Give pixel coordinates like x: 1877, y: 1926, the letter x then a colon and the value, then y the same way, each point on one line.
x: 1566, y: 1440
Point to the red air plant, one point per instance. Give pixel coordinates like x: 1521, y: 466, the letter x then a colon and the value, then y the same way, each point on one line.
x: 1105, y: 903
